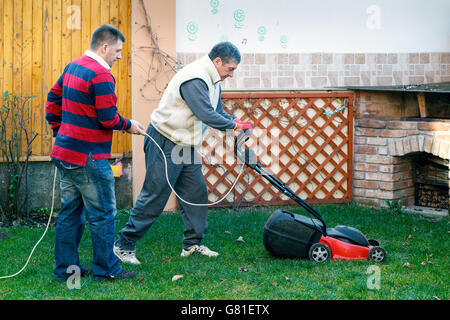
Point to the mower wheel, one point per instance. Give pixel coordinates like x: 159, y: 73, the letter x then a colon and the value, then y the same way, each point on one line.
x: 373, y: 242
x: 377, y: 254
x: 319, y: 252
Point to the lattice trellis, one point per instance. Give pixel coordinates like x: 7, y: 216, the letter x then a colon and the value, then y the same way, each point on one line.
x: 304, y: 139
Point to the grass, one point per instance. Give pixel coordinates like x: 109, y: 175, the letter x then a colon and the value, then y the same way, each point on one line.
x: 416, y: 268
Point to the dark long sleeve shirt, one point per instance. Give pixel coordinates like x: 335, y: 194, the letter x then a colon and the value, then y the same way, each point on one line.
x: 195, y: 93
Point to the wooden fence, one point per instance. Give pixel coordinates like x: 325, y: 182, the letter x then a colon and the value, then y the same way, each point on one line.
x: 39, y: 37
x: 304, y: 139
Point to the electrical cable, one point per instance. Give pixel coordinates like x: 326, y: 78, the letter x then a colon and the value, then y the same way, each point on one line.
x: 178, y: 196
x: 167, y: 178
x: 46, y: 228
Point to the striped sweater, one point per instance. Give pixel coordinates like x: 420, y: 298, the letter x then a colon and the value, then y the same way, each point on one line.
x: 81, y: 109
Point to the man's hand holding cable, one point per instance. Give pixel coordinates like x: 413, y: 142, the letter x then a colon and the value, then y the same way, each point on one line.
x: 242, y: 125
x: 136, y: 128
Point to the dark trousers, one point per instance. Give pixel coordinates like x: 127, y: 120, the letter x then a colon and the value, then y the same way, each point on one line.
x: 185, y: 175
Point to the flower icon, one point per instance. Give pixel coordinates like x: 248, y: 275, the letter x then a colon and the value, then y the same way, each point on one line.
x: 214, y: 4
x: 284, y: 40
x: 239, y: 16
x: 192, y: 29
x: 261, y: 31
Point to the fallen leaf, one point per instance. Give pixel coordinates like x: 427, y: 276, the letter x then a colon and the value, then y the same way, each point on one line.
x: 287, y: 279
x: 227, y: 232
x: 141, y: 279
x: 437, y: 298
x: 274, y: 283
x: 177, y: 277
x: 240, y: 239
x: 423, y: 264
x: 410, y: 236
x: 405, y: 243
x: 223, y: 279
x: 407, y: 265
x: 242, y: 269
x: 415, y: 229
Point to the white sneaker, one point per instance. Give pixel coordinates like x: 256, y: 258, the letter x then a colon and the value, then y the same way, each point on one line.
x: 126, y: 256
x: 203, y: 250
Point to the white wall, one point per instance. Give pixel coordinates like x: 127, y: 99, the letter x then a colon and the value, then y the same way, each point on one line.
x: 338, y: 26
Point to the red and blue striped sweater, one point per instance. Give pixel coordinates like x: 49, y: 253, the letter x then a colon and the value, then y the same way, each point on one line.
x: 81, y: 109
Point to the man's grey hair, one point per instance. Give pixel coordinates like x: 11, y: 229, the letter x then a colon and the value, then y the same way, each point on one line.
x: 226, y: 51
x: 105, y: 34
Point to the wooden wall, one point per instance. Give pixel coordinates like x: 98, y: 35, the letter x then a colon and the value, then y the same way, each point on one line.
x: 39, y: 37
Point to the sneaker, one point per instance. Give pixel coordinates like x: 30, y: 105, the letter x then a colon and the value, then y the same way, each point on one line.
x: 127, y: 256
x: 203, y: 250
x: 123, y: 275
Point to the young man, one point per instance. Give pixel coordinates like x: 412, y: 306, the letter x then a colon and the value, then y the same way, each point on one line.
x: 192, y: 95
x: 81, y: 108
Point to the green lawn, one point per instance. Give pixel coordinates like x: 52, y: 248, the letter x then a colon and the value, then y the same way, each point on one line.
x: 417, y: 266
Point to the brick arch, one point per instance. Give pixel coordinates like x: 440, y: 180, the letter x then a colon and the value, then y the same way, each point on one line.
x: 435, y: 145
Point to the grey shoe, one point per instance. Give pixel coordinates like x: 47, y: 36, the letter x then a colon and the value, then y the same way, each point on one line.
x: 200, y: 249
x: 126, y: 256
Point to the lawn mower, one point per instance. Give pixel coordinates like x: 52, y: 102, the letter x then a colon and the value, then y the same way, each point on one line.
x: 293, y: 235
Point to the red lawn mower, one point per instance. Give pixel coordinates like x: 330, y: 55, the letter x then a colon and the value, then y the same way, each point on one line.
x: 293, y: 235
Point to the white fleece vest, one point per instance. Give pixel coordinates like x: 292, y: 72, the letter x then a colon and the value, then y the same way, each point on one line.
x: 173, y: 118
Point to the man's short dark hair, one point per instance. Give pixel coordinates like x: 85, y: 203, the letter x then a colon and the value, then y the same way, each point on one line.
x: 226, y: 51
x: 105, y: 34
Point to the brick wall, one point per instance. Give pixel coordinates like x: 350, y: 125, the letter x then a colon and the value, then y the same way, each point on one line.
x: 382, y: 168
x: 318, y: 70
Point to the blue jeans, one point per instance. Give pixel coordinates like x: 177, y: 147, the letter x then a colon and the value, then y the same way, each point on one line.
x: 87, y: 189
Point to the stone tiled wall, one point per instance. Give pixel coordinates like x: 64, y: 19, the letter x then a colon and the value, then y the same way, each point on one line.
x: 319, y: 70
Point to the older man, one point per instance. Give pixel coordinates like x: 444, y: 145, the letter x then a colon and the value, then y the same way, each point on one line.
x: 192, y: 96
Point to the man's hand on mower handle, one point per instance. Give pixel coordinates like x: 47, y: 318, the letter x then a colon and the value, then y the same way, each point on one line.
x: 136, y: 128
x: 242, y: 125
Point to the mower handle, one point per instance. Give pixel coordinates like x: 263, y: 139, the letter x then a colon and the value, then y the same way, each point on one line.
x: 242, y: 138
x: 248, y: 156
